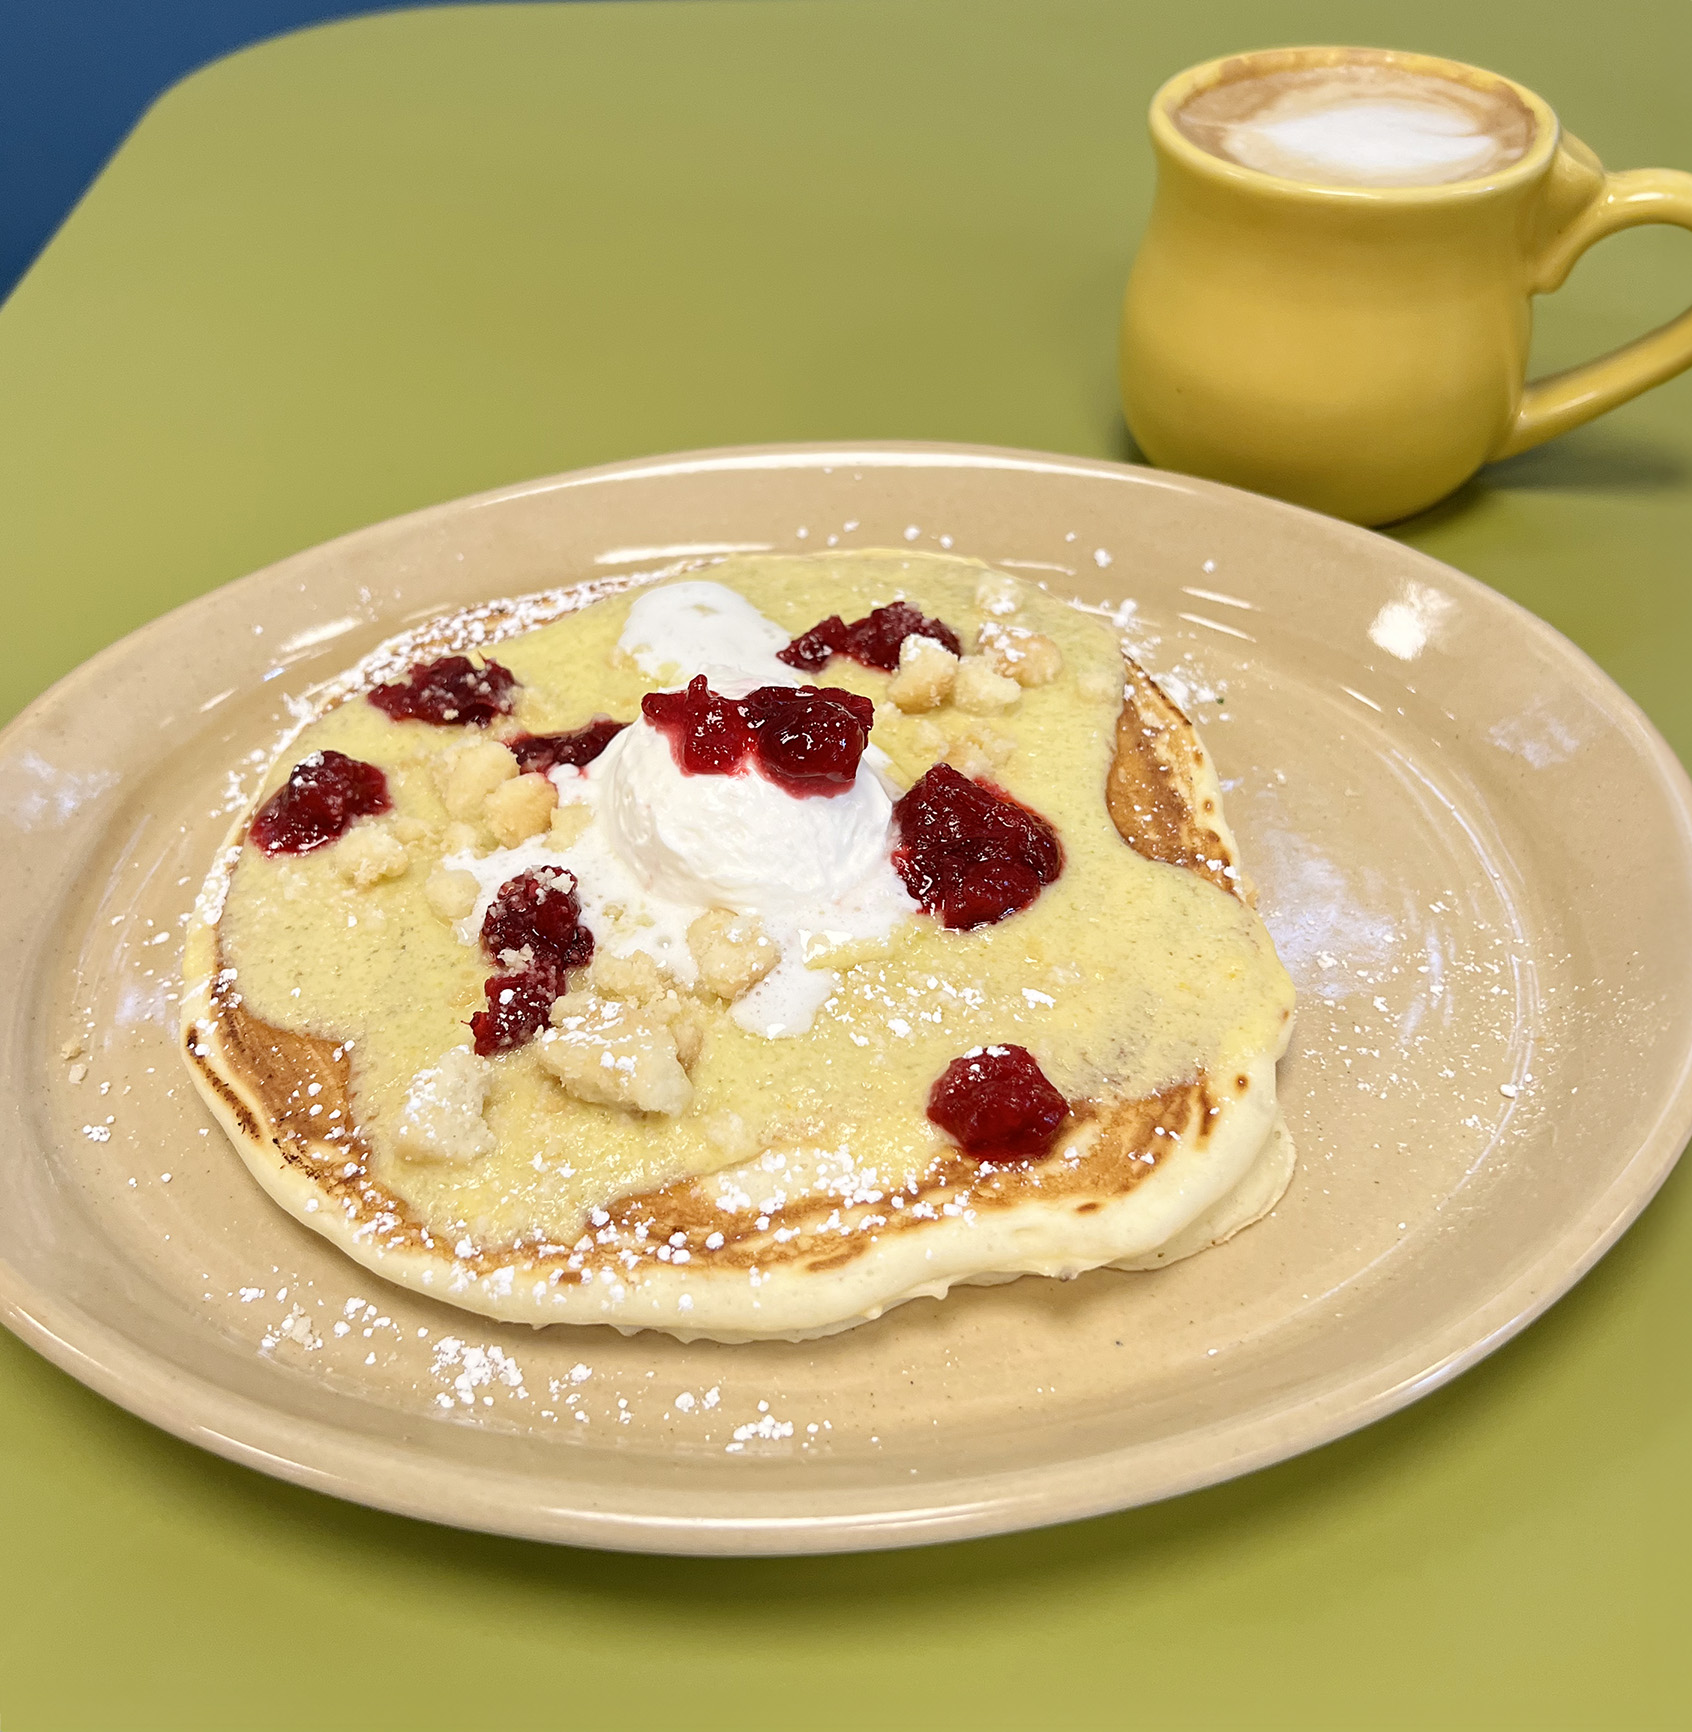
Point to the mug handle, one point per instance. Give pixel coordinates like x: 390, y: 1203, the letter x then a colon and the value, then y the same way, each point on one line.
x: 1603, y: 205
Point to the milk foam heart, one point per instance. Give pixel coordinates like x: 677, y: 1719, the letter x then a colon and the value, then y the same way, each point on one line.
x: 1360, y: 125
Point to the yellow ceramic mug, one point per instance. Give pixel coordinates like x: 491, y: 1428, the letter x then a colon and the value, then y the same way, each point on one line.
x: 1363, y: 350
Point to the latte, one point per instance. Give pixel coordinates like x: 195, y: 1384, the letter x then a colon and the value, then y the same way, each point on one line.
x: 1360, y: 123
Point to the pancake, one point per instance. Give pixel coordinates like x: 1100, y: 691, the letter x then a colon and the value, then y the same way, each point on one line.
x: 795, y: 1184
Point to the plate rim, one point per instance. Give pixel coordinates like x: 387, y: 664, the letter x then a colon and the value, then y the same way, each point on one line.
x: 309, y: 1452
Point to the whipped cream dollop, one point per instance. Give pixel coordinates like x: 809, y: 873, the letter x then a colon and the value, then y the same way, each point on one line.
x: 740, y: 841
x: 664, y: 847
x: 681, y: 629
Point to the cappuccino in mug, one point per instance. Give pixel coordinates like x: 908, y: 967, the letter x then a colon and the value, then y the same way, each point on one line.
x: 1333, y: 299
x: 1359, y: 124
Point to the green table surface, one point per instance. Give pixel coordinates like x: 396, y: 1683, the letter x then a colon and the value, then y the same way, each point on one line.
x: 383, y: 263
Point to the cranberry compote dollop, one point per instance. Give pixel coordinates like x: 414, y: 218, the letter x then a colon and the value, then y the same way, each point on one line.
x: 533, y: 931
x: 806, y: 739
x: 873, y: 640
x: 450, y: 692
x: 318, y: 802
x: 518, y: 1005
x: 998, y: 1104
x: 708, y: 734
x: 580, y: 746
x: 969, y: 852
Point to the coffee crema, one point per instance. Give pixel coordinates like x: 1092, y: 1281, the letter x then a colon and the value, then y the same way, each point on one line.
x: 1360, y: 124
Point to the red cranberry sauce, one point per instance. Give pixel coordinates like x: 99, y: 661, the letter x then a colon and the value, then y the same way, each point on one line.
x: 873, y: 640
x: 969, y: 852
x: 537, y: 917
x: 578, y: 747
x: 809, y: 740
x: 709, y: 735
x: 998, y: 1104
x: 538, y: 911
x: 518, y: 1006
x: 450, y: 692
x: 318, y: 802
x: 805, y: 739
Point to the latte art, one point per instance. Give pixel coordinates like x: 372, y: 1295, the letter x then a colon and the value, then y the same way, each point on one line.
x: 1360, y: 124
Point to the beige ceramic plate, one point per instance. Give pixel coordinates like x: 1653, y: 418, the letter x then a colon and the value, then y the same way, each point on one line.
x: 1474, y: 853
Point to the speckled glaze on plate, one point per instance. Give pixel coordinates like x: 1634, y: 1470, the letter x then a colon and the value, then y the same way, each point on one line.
x: 1474, y: 852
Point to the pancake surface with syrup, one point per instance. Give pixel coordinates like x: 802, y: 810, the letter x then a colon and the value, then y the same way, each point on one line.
x: 801, y: 1187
